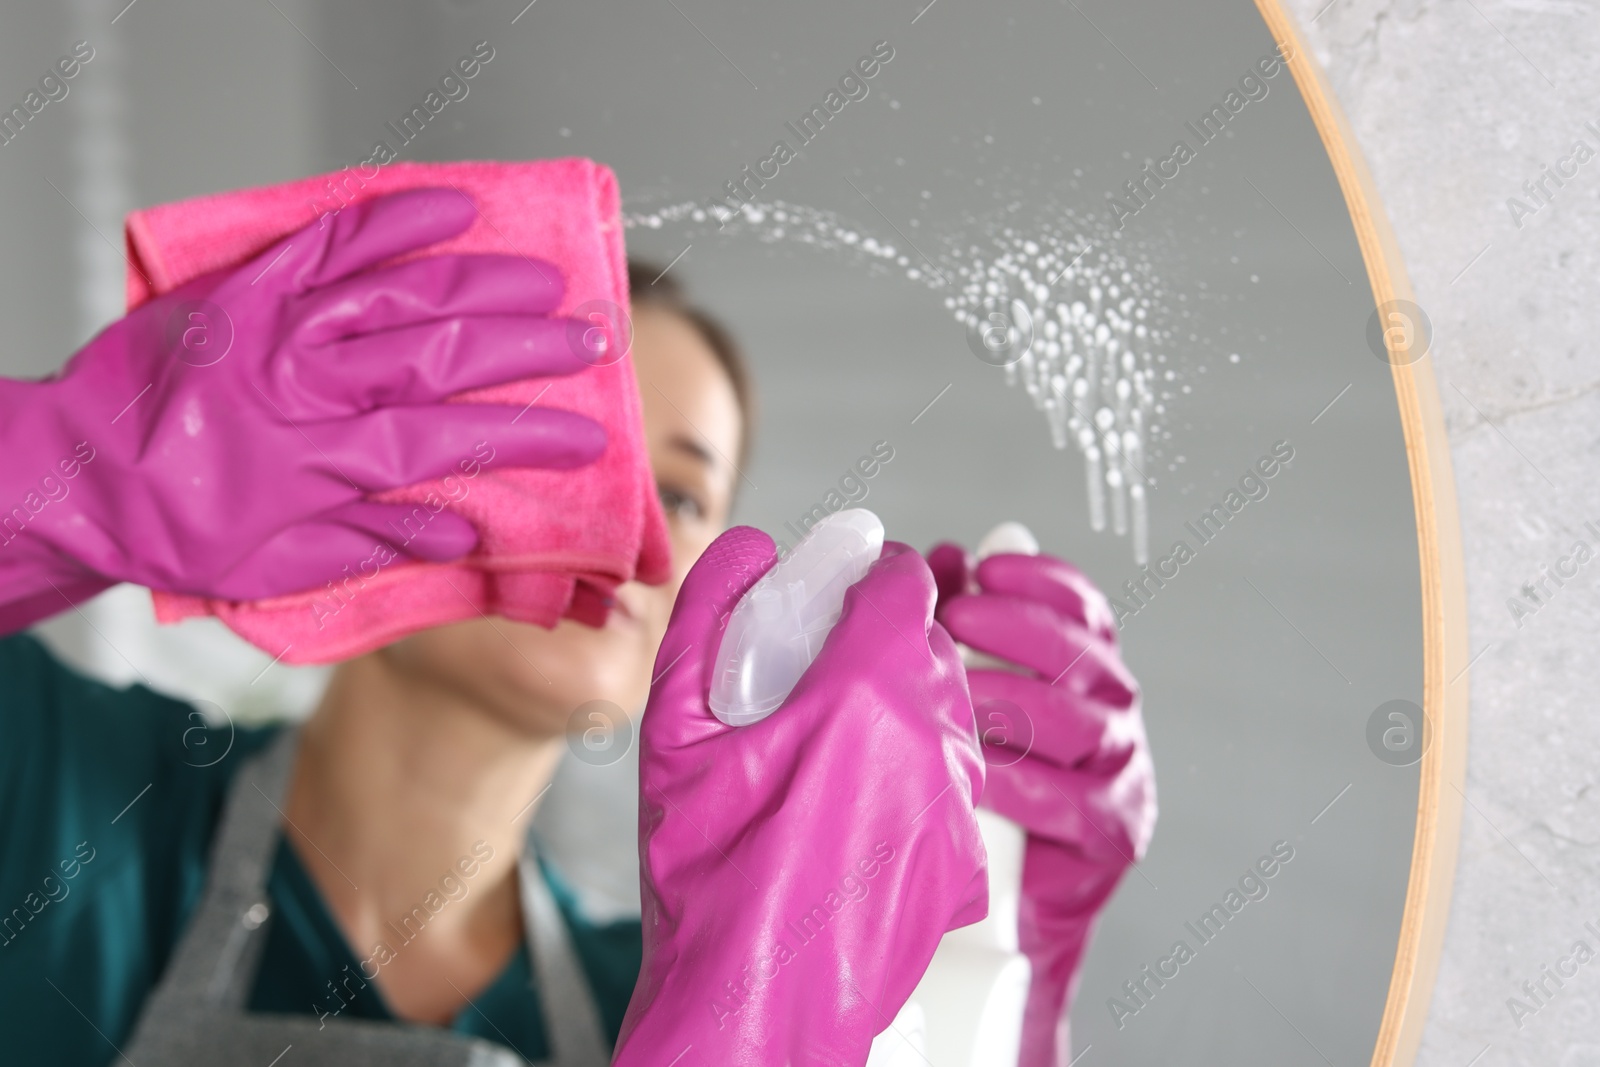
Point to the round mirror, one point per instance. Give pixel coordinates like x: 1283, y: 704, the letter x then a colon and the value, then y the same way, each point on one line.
x: 1111, y: 271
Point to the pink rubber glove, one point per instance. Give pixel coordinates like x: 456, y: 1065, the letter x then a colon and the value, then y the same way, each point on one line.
x: 1067, y: 756
x: 798, y: 873
x: 225, y: 448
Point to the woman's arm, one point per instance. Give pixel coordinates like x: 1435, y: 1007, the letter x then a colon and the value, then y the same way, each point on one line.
x: 223, y: 439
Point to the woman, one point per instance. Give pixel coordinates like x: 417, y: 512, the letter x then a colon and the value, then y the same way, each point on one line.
x: 414, y: 781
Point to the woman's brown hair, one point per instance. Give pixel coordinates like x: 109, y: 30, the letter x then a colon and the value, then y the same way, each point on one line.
x: 649, y: 286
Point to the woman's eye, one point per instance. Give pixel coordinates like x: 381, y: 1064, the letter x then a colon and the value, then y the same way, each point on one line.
x: 680, y: 505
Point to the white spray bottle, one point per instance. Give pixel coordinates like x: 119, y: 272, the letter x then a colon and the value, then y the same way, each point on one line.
x: 971, y: 999
x: 779, y: 625
x: 967, y: 1010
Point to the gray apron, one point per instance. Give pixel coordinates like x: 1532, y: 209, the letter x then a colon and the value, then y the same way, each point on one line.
x: 196, y: 1016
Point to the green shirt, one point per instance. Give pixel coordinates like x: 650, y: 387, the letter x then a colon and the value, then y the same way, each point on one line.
x: 108, y: 802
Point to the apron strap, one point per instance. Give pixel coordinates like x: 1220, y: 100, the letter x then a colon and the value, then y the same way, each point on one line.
x: 571, y: 1019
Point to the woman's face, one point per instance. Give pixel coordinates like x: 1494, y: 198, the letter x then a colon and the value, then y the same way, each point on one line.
x: 536, y: 678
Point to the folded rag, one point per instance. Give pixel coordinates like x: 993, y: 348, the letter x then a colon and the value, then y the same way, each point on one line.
x: 554, y: 543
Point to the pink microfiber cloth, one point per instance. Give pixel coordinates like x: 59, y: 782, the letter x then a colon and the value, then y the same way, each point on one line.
x: 554, y: 543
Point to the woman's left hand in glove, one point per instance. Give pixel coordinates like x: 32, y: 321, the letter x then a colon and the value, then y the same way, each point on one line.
x: 1066, y: 752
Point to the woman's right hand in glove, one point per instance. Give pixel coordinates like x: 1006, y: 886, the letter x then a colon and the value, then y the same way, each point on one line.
x: 222, y: 439
x: 797, y: 874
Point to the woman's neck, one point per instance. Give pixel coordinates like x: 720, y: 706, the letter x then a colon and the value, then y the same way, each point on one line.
x: 402, y: 790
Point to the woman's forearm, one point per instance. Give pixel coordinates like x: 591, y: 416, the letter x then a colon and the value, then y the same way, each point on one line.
x: 37, y: 578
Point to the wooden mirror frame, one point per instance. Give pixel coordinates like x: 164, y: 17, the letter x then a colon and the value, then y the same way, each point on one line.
x: 1444, y: 601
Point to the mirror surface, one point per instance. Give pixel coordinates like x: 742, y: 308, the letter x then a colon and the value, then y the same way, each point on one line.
x: 993, y: 139
x: 1264, y: 656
